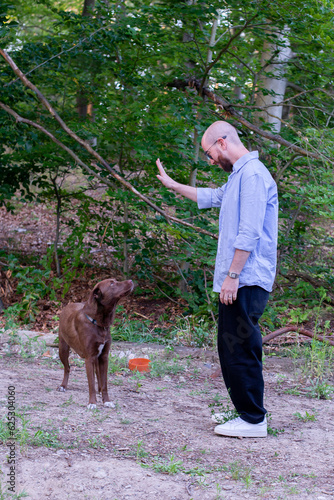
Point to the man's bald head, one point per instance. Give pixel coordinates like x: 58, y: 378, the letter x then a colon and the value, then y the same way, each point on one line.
x: 220, y: 129
x: 222, y: 145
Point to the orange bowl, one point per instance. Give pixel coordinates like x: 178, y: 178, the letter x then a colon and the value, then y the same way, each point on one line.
x: 139, y: 364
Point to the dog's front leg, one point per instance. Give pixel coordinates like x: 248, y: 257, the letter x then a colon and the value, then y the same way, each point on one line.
x: 89, y: 363
x: 103, y: 369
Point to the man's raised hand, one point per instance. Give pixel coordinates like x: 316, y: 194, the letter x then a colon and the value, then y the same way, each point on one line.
x: 163, y: 177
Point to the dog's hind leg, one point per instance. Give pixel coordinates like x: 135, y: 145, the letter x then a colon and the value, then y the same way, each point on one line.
x: 64, y: 351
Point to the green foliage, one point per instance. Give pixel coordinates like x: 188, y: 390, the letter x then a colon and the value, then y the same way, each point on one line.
x: 162, y: 367
x: 195, y: 332
x: 122, y: 62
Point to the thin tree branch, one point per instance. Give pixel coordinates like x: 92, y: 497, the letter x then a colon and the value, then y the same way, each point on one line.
x: 242, y: 62
x: 76, y: 45
x: 230, y: 111
x: 281, y: 171
x: 105, y: 181
x: 224, y: 49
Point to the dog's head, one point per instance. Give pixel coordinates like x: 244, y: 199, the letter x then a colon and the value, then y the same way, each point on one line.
x: 108, y: 292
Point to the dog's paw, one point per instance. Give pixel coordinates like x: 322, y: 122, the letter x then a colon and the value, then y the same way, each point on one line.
x: 109, y: 404
x: 91, y: 406
x: 61, y: 389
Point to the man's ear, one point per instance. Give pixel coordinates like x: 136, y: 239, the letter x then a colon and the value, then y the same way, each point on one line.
x: 97, y: 294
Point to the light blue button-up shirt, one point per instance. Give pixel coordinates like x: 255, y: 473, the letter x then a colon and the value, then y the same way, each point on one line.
x: 248, y: 221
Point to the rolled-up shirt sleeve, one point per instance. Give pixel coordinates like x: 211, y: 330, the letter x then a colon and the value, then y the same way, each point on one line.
x: 208, y: 198
x: 253, y: 204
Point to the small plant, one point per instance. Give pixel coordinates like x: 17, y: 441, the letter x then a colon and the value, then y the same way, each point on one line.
x: 141, y: 453
x: 50, y: 439
x: 226, y: 413
x: 68, y: 402
x: 294, y: 391
x: 126, y: 421
x: 240, y: 472
x: 218, y: 492
x: 271, y: 430
x: 21, y: 432
x: 96, y: 443
x: 274, y: 432
x: 280, y: 379
x: 320, y: 389
x: 171, y: 466
x: 305, y: 418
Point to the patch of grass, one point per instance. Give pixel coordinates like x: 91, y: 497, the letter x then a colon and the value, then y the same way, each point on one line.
x: 117, y: 364
x: 170, y: 466
x: 21, y: 434
x: 96, y: 443
x: 194, y: 332
x: 78, y: 362
x: 271, y: 430
x: 305, y: 418
x: 162, y: 367
x: 116, y: 381
x: 68, y: 402
x: 4, y: 493
x: 141, y: 452
x: 320, y: 389
x: 294, y: 391
x: 49, y: 439
x: 314, y: 362
x: 240, y: 472
x: 218, y: 406
x: 126, y: 421
x: 132, y: 331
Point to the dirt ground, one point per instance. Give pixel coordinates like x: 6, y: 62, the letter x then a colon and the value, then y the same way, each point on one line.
x: 158, y: 441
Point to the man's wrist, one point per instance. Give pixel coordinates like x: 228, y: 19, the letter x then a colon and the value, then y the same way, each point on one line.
x: 233, y: 275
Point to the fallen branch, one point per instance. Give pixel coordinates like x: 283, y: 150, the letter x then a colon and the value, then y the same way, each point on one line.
x: 302, y: 331
x: 308, y: 333
x: 228, y: 108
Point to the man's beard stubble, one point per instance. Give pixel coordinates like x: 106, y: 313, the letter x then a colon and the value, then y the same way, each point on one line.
x: 226, y: 165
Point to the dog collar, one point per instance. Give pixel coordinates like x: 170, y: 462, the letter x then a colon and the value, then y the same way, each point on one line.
x: 95, y: 322
x: 91, y: 319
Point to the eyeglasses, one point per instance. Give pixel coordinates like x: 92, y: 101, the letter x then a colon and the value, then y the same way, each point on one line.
x: 207, y: 154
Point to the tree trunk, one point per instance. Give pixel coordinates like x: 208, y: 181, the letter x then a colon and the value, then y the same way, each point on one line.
x: 84, y: 107
x: 272, y: 81
x: 88, y: 8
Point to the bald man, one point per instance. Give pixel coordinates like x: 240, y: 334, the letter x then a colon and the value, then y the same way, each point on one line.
x: 244, y: 271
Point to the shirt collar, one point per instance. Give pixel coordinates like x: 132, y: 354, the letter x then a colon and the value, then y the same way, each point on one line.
x: 253, y: 155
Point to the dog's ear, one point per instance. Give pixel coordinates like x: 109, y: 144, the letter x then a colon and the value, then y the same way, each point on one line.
x: 97, y: 294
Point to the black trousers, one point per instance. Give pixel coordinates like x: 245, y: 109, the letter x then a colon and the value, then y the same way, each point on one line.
x: 240, y: 351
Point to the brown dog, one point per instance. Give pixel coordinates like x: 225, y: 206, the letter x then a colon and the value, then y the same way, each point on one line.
x: 86, y: 328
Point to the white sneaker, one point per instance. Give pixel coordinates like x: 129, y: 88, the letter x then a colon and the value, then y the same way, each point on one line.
x: 240, y: 428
